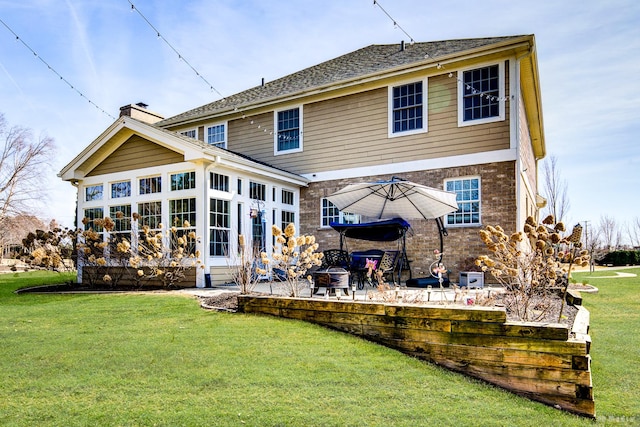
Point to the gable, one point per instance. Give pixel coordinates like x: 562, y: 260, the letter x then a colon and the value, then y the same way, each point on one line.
x: 135, y: 153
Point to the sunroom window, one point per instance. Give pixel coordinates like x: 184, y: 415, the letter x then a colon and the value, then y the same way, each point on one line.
x: 220, y: 227
x: 93, y: 192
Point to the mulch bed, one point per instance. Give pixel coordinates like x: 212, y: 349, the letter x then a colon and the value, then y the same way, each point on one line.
x: 227, y: 301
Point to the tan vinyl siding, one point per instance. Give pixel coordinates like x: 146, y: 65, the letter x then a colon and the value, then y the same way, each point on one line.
x: 351, y: 131
x: 247, y: 138
x: 136, y: 153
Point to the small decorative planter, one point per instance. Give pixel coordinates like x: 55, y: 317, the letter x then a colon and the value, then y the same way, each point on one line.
x: 549, y: 363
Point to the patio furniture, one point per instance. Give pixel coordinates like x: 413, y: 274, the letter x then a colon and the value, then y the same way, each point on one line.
x: 391, y: 230
x: 331, y: 278
x: 388, y: 265
x: 336, y: 258
x: 358, y: 264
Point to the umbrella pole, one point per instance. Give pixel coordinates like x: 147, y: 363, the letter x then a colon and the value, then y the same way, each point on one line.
x: 443, y: 232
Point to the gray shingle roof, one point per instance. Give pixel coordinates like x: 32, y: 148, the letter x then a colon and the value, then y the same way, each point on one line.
x: 362, y: 62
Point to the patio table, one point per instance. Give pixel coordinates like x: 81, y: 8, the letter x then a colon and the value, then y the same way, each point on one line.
x: 358, y: 262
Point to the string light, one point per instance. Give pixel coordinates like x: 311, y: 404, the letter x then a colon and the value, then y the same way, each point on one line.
x: 480, y: 93
x: 53, y: 70
x: 395, y: 23
x: 180, y: 57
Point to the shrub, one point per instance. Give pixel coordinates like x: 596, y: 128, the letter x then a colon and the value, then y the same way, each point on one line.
x: 618, y: 258
x: 532, y: 265
x: 292, y: 257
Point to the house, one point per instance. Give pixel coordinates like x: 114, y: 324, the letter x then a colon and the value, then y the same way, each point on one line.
x: 463, y: 115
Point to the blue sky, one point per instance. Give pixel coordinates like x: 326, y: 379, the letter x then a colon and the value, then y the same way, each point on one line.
x: 588, y: 53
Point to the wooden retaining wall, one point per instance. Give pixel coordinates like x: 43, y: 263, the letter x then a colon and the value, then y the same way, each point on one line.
x: 548, y: 363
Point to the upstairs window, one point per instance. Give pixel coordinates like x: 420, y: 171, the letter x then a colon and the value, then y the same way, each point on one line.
x: 217, y: 135
x: 183, y: 181
x: 468, y: 197
x: 289, y: 130
x: 481, y: 92
x: 407, y: 109
x: 192, y: 133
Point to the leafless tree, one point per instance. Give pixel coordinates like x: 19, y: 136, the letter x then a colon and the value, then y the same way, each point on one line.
x: 593, y: 244
x: 609, y: 232
x: 22, y: 161
x: 555, y: 189
x: 633, y: 230
x: 15, y: 228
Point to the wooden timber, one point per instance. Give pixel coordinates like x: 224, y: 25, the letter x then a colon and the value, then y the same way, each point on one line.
x: 549, y: 363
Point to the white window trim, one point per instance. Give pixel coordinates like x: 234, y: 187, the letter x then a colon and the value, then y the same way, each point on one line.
x: 213, y: 227
x: 111, y: 183
x: 276, y: 152
x: 501, y: 95
x: 425, y: 108
x: 138, y: 178
x: 170, y: 174
x: 86, y: 187
x: 340, y: 215
x: 460, y: 178
x: 293, y: 196
x: 226, y: 133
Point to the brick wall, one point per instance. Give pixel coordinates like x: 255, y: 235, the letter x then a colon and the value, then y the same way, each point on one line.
x: 498, y: 207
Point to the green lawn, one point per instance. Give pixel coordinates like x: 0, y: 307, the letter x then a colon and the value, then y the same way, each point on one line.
x: 615, y: 333
x: 141, y: 360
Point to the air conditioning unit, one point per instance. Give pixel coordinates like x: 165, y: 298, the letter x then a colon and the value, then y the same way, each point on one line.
x: 471, y: 279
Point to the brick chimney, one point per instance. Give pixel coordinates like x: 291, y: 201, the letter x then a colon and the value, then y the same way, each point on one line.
x: 139, y: 112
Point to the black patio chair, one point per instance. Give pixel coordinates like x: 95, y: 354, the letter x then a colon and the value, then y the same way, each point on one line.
x: 389, y: 265
x: 336, y: 258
